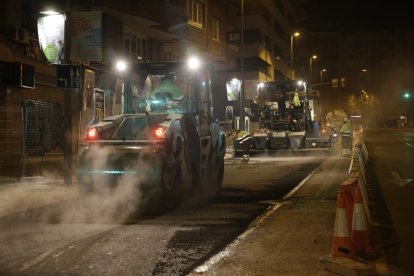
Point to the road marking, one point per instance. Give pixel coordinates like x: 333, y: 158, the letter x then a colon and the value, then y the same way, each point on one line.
x: 408, y: 144
x: 230, y: 248
x: 400, y: 182
x: 301, y: 183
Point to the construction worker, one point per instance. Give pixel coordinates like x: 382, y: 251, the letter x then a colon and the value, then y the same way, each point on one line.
x: 296, y: 100
x: 167, y: 89
x: 346, y: 127
x: 346, y: 133
x: 244, y: 140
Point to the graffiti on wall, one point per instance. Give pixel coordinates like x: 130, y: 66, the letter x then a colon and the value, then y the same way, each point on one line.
x: 43, y: 126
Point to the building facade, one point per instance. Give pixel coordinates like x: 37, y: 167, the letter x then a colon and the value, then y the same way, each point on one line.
x: 41, y: 122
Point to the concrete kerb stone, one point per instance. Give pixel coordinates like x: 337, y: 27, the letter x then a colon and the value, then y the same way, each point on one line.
x: 346, y: 266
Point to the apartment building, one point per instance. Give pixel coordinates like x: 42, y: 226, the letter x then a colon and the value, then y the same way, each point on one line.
x: 159, y: 30
x: 268, y: 27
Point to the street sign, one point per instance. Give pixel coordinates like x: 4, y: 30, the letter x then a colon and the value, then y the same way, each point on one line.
x: 68, y: 76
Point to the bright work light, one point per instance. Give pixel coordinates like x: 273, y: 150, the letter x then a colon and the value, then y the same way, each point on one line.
x: 194, y: 63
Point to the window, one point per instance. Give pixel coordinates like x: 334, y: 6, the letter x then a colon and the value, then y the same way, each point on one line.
x: 196, y: 10
x: 135, y: 47
x: 215, y: 29
x: 233, y: 37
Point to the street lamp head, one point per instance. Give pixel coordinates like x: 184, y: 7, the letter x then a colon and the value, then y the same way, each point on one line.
x: 51, y: 7
x: 235, y: 81
x: 49, y: 12
x: 364, y: 70
x: 314, y: 57
x: 296, y: 34
x: 323, y: 70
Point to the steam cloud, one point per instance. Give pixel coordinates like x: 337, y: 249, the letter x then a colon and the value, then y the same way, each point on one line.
x: 109, y: 202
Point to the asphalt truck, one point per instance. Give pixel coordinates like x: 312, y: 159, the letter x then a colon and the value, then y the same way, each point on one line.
x: 288, y: 115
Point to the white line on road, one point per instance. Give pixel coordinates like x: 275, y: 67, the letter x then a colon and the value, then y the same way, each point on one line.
x: 301, y: 183
x: 227, y: 251
x: 408, y: 144
x: 400, y: 182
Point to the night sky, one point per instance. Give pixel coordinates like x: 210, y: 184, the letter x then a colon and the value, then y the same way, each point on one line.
x: 351, y: 14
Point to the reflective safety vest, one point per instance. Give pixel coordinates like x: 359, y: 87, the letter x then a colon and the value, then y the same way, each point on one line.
x: 346, y: 128
x: 242, y: 136
x: 296, y: 101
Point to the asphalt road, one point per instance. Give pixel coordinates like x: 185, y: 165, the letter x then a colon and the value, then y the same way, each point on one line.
x: 391, y: 193
x: 78, y: 238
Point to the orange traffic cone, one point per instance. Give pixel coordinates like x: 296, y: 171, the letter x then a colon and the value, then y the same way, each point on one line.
x: 347, y: 189
x: 342, y: 245
x: 360, y: 234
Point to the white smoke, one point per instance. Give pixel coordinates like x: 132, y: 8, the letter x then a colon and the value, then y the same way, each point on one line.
x: 112, y: 201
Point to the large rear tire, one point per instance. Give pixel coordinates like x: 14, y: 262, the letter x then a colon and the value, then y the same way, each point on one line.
x: 171, y: 192
x: 219, y: 179
x: 216, y: 175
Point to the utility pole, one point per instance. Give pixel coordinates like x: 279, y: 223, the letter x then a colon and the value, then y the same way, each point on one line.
x: 291, y: 54
x: 242, y: 113
x: 67, y: 155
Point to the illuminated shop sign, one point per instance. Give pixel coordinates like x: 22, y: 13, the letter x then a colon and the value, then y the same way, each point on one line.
x: 51, y: 31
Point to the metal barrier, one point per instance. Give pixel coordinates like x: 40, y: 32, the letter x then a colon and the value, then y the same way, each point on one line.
x: 352, y: 229
x: 346, y: 144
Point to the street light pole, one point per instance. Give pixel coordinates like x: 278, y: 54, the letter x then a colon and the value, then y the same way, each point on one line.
x: 322, y: 71
x: 320, y: 93
x: 291, y: 53
x: 121, y: 66
x: 67, y: 156
x: 67, y: 92
x: 242, y: 113
x: 310, y: 70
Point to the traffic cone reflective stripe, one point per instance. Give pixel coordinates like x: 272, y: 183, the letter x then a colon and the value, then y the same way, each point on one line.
x: 342, y: 245
x: 341, y: 227
x: 347, y: 189
x: 360, y: 233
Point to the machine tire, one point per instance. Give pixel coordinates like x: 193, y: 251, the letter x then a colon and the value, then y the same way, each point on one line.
x: 216, y: 175
x: 170, y: 194
x: 219, y: 179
